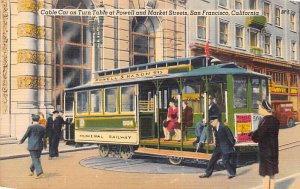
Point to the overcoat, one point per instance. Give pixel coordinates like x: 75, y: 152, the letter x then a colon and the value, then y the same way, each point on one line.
x: 187, y: 117
x: 267, y: 137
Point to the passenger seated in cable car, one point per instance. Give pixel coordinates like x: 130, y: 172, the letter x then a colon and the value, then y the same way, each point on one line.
x: 171, y: 121
x: 187, y: 120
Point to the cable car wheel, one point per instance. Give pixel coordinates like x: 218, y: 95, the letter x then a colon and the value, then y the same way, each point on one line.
x: 103, y: 150
x: 126, y: 151
x: 175, y: 160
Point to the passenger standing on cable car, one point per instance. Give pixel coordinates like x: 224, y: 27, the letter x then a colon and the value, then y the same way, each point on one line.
x: 187, y: 120
x: 172, y: 120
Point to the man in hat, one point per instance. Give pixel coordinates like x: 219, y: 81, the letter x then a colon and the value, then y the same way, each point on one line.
x: 36, y: 136
x: 54, y: 126
x: 224, y: 148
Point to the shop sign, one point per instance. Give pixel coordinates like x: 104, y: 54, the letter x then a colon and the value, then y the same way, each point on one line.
x: 282, y: 90
x: 132, y: 75
x: 293, y: 91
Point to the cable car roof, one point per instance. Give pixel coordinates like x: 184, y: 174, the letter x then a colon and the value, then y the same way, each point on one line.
x: 219, y: 69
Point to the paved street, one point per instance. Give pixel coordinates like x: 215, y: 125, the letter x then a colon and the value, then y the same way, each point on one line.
x: 67, y: 172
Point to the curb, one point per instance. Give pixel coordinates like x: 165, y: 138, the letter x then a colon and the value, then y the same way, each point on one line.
x: 45, y: 153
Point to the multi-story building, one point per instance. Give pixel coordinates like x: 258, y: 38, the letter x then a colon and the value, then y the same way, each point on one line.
x: 43, y: 55
x: 268, y: 44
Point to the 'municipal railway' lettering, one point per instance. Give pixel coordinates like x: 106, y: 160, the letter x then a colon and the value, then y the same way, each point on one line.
x: 119, y: 137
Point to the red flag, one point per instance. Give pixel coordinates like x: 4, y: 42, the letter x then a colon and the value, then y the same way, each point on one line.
x: 207, y: 50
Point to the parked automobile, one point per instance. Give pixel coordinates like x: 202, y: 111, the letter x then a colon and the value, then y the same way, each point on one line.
x: 284, y: 111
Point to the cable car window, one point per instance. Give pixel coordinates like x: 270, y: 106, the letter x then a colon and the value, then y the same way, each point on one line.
x: 95, y: 101
x: 255, y: 92
x: 264, y: 89
x: 111, y: 100
x: 82, y: 102
x: 127, y: 99
x: 240, y: 92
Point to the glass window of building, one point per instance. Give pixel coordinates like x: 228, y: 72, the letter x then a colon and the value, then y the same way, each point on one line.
x: 277, y: 16
x: 223, y: 3
x: 95, y: 99
x: 293, y: 80
x: 253, y: 38
x: 223, y: 33
x: 143, y: 40
x: 292, y: 21
x: 293, y: 50
x: 267, y: 44
x: 239, y: 36
x: 72, y: 47
x: 238, y: 4
x: 278, y: 46
x: 111, y: 100
x: 127, y: 99
x: 201, y: 25
x: 267, y: 11
x: 252, y: 4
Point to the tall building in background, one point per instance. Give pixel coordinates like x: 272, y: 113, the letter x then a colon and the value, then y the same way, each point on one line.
x: 268, y: 44
x: 43, y: 55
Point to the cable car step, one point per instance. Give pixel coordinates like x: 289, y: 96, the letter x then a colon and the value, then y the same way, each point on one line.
x: 183, y: 154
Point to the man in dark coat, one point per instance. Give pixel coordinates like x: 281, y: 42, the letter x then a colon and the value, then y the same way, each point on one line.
x: 187, y: 119
x: 267, y: 137
x: 36, y: 136
x: 224, y: 149
x: 54, y: 126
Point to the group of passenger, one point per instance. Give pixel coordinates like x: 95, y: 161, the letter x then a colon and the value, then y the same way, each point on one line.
x: 172, y: 125
x: 266, y: 135
x: 38, y: 134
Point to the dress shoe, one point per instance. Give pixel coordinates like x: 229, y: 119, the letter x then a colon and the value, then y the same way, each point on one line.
x: 41, y: 175
x: 50, y: 158
x: 204, y: 176
x: 31, y: 173
x: 231, y: 176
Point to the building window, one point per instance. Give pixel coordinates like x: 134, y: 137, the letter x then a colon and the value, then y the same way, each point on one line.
x: 292, y: 21
x: 278, y: 46
x: 201, y: 25
x: 267, y: 11
x: 239, y: 36
x: 143, y: 40
x: 293, y: 50
x: 277, y: 16
x: 72, y: 43
x: 253, y: 38
x: 279, y: 78
x: 223, y: 3
x: 238, y: 4
x: 252, y: 4
x: 294, y: 80
x: 267, y: 44
x: 223, y: 33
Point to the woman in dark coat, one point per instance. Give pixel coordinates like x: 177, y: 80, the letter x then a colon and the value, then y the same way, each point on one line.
x: 267, y: 137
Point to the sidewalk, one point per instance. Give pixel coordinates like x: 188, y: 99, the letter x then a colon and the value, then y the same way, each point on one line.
x: 9, y: 151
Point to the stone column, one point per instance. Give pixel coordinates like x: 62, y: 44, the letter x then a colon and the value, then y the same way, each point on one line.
x: 27, y: 79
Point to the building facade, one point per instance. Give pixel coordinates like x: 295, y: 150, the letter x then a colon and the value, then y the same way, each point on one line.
x: 268, y: 44
x: 43, y: 55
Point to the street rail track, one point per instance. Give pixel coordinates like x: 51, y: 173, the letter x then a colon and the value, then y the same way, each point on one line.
x: 289, y: 145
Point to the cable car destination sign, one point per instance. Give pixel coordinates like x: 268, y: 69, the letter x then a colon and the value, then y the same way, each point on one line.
x: 131, y: 75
